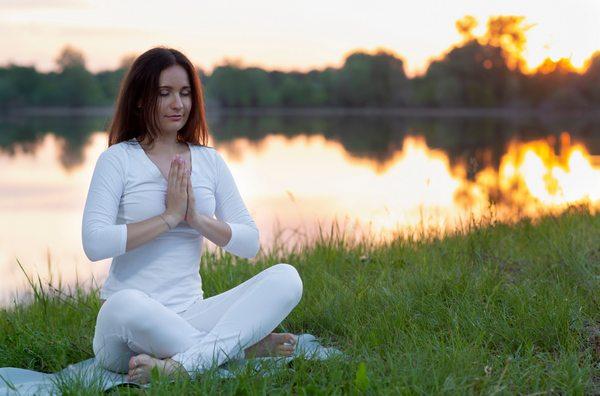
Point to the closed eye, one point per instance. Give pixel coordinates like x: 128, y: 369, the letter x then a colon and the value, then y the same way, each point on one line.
x: 183, y: 93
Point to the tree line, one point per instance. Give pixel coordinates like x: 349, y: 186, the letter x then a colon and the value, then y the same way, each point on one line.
x: 483, y: 71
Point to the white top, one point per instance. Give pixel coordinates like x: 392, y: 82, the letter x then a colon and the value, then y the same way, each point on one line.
x: 127, y: 187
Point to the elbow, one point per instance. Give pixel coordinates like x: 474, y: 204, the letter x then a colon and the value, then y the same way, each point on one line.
x: 92, y: 253
x: 92, y: 247
x: 103, y: 243
x: 254, y: 246
x: 244, y: 241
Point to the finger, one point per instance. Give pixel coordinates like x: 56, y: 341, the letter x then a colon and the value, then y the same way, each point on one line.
x: 186, y: 181
x: 182, y: 178
x: 131, y: 376
x: 137, y: 372
x: 171, y: 171
x: 180, y: 170
x: 175, y: 171
x: 190, y: 189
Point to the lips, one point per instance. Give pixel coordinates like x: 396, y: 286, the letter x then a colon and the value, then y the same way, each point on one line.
x: 175, y: 117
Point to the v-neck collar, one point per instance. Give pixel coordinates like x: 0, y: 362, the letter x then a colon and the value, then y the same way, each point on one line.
x: 155, y: 167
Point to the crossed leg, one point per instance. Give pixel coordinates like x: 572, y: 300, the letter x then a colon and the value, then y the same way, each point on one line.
x: 211, y: 331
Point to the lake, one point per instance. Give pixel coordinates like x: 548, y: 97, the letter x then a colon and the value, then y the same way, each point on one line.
x: 369, y: 175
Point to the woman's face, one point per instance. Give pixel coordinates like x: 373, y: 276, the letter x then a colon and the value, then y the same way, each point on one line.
x: 174, y: 99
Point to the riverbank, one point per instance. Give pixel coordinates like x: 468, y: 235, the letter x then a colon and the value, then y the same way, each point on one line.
x: 495, y: 309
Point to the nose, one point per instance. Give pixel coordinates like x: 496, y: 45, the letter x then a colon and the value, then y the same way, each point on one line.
x: 177, y: 103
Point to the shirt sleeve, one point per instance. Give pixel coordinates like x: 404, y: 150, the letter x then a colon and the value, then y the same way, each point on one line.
x: 231, y: 209
x: 101, y: 237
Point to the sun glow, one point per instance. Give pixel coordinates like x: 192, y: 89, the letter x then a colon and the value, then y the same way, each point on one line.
x: 551, y: 179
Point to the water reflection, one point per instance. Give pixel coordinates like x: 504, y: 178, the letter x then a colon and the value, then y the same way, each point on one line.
x: 41, y: 204
x: 532, y: 176
x: 419, y: 188
x: 294, y: 181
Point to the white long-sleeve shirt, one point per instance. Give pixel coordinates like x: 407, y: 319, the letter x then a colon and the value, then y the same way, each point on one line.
x: 127, y: 187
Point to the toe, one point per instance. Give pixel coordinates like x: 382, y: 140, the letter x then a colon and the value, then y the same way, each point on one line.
x: 132, y: 363
x: 285, y: 350
x: 136, y: 376
x: 291, y: 339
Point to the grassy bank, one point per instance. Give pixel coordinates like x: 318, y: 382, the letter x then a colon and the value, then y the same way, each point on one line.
x: 497, y: 309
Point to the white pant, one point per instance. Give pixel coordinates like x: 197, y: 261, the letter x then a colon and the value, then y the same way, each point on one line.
x: 210, y: 332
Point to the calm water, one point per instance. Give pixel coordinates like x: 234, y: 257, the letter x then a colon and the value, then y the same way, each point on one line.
x: 380, y: 175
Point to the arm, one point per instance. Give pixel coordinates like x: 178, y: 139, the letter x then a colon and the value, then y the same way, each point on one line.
x: 234, y: 229
x: 101, y: 237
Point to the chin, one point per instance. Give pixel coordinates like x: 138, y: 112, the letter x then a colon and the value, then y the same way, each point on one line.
x: 173, y: 129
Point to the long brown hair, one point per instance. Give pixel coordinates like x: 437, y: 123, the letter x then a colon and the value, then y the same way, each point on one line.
x: 140, y: 87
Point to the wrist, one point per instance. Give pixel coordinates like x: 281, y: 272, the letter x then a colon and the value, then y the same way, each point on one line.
x: 197, y: 222
x: 171, y: 219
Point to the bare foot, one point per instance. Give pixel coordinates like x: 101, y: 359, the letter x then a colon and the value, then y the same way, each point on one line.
x: 275, y: 344
x: 141, y: 365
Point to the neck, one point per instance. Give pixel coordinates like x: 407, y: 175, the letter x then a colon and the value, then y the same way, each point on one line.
x: 164, y: 143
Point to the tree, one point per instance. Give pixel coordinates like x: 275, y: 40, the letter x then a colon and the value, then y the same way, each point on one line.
x: 465, y: 26
x: 373, y: 80
x: 590, y: 81
x: 70, y: 57
x: 471, y: 75
x: 77, y: 86
x: 509, y: 33
x: 19, y: 85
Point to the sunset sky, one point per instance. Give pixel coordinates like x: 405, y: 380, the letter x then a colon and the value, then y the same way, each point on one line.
x: 280, y: 35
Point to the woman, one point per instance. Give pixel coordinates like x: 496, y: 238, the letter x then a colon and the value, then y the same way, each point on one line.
x: 150, y: 205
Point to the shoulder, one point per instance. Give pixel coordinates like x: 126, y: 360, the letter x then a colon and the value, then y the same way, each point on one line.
x: 208, y: 152
x: 118, y: 149
x: 116, y: 155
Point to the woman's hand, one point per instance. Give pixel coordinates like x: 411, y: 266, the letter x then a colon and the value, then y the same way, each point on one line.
x: 214, y: 230
x: 177, y: 196
x: 191, y: 214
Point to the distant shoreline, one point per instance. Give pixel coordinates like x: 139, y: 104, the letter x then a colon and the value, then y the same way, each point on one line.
x: 499, y: 112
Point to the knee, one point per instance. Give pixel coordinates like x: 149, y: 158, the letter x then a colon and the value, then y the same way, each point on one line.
x: 288, y: 278
x: 123, y: 305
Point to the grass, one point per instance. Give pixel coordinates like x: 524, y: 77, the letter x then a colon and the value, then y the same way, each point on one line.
x: 496, y: 309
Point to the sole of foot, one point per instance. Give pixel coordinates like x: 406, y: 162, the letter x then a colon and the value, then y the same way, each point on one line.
x: 140, y: 368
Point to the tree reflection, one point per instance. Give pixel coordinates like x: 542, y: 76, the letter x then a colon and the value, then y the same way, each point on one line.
x: 475, y: 142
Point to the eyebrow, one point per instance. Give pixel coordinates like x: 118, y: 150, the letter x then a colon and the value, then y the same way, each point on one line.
x: 168, y: 86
